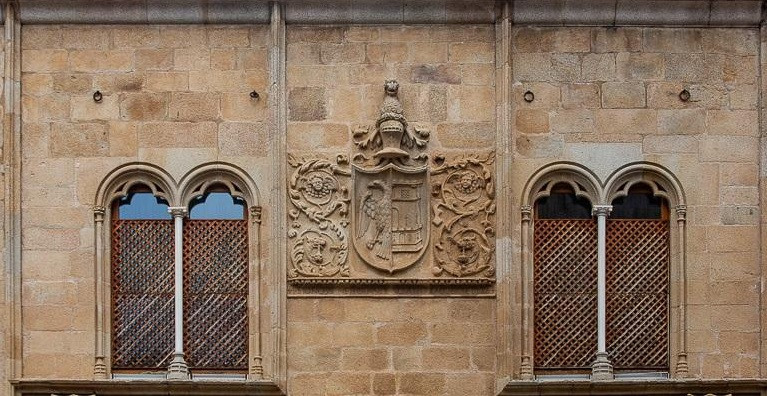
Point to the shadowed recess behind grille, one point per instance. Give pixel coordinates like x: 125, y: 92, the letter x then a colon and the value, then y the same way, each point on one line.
x: 637, y: 293
x: 565, y: 293
x: 142, y: 294
x: 215, y: 294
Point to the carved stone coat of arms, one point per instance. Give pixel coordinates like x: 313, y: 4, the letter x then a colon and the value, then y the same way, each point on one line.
x: 396, y: 207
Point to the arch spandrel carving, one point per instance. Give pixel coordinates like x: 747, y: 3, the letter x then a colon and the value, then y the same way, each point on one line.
x: 584, y: 183
x: 118, y: 183
x: 662, y: 182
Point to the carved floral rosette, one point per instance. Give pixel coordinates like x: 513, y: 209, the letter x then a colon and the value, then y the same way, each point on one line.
x: 463, y: 215
x: 318, y: 220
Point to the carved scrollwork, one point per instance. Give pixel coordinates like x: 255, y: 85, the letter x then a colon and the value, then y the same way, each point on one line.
x: 319, y: 248
x: 464, y: 215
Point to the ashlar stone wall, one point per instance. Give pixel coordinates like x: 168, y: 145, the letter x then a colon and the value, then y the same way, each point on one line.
x: 335, y: 76
x: 174, y: 96
x: 605, y: 97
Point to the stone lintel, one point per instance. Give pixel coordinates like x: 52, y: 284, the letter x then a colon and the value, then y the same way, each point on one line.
x: 144, y: 387
x: 730, y: 13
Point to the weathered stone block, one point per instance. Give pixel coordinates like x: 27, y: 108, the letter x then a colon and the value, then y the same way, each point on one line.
x: 580, y: 96
x: 616, y: 95
x: 532, y: 121
x: 307, y: 104
x: 639, y: 66
x: 363, y: 359
x: 616, y: 40
x: 48, y: 60
x: 143, y: 106
x: 672, y: 40
x: 439, y: 74
x: 194, y: 106
x: 599, y: 67
x: 154, y: 59
x: 243, y: 138
x: 79, y: 140
x: 177, y: 134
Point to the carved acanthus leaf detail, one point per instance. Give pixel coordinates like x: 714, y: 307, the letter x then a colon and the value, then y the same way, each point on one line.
x: 464, y: 215
x: 319, y: 218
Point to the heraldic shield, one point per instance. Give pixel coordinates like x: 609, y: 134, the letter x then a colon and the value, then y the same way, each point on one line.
x: 391, y: 219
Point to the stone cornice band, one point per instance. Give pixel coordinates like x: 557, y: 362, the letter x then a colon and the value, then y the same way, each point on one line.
x: 730, y: 13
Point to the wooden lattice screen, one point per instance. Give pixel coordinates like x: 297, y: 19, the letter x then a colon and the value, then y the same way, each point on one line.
x: 638, y: 293
x: 142, y: 294
x: 565, y: 291
x: 215, y: 294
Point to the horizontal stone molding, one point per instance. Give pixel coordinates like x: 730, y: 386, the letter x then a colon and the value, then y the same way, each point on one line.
x: 741, y: 13
x: 142, y: 387
x: 391, y: 288
x: 732, y: 387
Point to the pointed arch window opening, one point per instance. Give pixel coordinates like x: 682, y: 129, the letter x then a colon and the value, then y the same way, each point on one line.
x: 215, y: 283
x: 637, y: 250
x: 142, y: 282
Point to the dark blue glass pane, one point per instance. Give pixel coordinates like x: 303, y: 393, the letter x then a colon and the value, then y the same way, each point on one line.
x: 143, y: 206
x: 217, y: 206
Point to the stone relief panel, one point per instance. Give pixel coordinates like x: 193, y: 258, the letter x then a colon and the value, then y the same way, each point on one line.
x: 405, y: 218
x: 464, y: 209
x: 319, y: 218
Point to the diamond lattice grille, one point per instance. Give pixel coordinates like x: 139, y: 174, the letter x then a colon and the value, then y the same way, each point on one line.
x: 215, y: 293
x: 142, y: 293
x: 565, y: 291
x: 637, y: 293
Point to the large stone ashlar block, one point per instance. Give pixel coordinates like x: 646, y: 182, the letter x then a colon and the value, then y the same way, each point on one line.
x: 391, y: 212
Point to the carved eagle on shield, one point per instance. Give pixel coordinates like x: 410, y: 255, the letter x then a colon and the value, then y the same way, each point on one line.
x: 390, y: 190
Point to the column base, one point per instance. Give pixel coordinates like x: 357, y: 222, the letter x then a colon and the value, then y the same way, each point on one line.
x: 602, y: 369
x: 682, y: 368
x: 178, y: 370
x: 526, y: 369
x: 100, y: 369
x: 256, y: 370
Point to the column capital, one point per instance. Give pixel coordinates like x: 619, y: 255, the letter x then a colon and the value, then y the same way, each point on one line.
x: 178, y: 211
x: 527, y: 212
x: 601, y: 210
x: 255, y: 214
x: 681, y: 212
x: 99, y: 212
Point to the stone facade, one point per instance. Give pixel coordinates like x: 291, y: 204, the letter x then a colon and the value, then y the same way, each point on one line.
x: 280, y: 95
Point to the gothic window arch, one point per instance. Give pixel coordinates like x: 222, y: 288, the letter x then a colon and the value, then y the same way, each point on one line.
x: 218, y: 242
x: 638, y: 243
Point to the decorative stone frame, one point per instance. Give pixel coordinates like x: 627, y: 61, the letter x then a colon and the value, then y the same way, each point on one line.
x: 586, y: 184
x: 117, y: 184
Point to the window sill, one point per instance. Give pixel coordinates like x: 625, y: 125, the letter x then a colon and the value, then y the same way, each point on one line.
x: 126, y: 387
x: 636, y: 386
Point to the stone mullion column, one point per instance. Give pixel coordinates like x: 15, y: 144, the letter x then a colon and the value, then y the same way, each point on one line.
x: 256, y: 366
x: 12, y: 190
x: 682, y: 368
x: 178, y: 370
x: 526, y: 369
x: 602, y: 369
x: 274, y: 344
x: 100, y: 367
